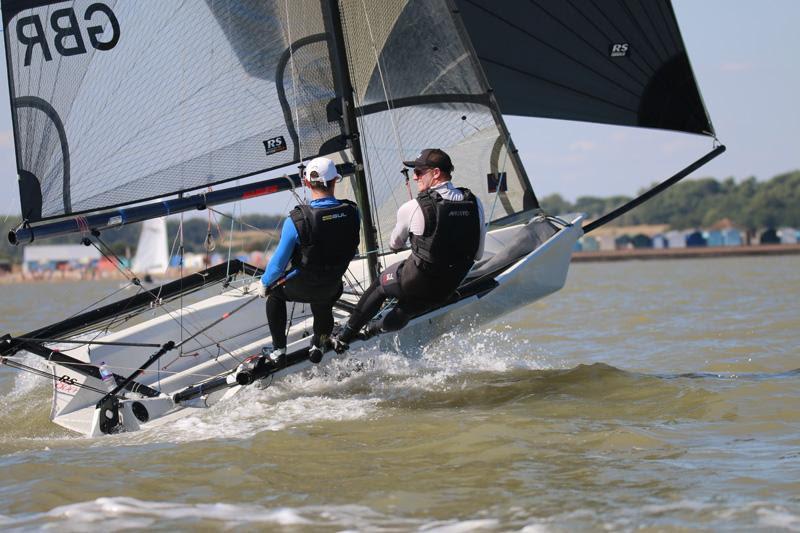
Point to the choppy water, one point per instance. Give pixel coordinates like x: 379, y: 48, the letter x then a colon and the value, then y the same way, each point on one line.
x: 646, y: 395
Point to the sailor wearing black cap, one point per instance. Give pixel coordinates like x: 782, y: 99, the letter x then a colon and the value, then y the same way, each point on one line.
x: 445, y: 225
x: 320, y: 239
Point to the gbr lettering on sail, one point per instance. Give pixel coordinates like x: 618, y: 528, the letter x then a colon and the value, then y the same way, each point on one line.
x: 97, y: 24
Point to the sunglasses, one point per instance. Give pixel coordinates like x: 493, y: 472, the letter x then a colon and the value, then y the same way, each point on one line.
x: 421, y: 171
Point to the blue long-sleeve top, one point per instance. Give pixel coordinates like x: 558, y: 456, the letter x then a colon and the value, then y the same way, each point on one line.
x: 289, y: 239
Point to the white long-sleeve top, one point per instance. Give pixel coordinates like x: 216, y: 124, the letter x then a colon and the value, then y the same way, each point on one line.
x: 410, y: 218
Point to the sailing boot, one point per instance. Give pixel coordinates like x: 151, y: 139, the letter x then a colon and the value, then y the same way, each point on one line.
x: 315, y: 354
x: 372, y: 329
x: 273, y: 356
x: 318, y: 347
x: 341, y: 341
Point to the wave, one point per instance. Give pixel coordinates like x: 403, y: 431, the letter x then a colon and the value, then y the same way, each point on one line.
x: 118, y: 513
x: 483, y: 369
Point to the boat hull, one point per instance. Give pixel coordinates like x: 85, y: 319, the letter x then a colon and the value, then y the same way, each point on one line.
x: 530, y: 278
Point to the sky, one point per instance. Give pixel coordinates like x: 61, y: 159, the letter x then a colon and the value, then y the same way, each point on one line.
x: 745, y: 57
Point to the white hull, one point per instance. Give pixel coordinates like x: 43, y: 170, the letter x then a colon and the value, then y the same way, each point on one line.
x: 225, y: 345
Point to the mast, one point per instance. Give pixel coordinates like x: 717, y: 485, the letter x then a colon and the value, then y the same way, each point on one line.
x: 333, y: 21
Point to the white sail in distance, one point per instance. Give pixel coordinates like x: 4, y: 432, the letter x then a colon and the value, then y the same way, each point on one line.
x: 152, y: 256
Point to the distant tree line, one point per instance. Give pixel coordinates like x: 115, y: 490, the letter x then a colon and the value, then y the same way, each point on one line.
x: 700, y: 203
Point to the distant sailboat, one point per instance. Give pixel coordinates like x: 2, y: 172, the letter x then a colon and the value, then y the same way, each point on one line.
x: 152, y: 255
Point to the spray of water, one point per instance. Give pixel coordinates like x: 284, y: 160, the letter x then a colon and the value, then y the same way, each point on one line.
x: 361, y: 385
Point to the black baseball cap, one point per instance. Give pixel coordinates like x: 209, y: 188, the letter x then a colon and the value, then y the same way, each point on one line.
x: 432, y: 158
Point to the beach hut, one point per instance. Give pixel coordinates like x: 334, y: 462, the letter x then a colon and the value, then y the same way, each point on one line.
x: 641, y: 241
x: 194, y: 261
x: 606, y: 243
x: 623, y: 242
x: 105, y: 265
x: 732, y: 237
x: 52, y: 256
x: 695, y: 239
x: 769, y: 236
x: 788, y: 235
x: 660, y: 241
x: 676, y: 239
x: 590, y: 244
x: 714, y: 238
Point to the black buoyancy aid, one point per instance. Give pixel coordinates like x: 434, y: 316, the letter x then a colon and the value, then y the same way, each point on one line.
x: 452, y: 232
x: 328, y: 238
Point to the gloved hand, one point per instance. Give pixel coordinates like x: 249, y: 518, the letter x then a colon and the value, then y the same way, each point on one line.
x: 262, y: 290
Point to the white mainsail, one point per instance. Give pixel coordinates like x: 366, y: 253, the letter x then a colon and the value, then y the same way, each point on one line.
x: 152, y: 256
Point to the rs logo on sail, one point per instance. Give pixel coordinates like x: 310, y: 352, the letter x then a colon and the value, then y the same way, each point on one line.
x: 68, y: 39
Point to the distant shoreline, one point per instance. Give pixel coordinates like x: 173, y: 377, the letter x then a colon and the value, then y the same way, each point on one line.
x: 685, y: 253
x: 58, y: 276
x: 640, y: 254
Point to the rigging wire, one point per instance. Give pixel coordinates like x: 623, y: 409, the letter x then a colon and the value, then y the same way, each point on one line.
x: 117, y: 262
x: 167, y: 311
x: 14, y: 363
x: 502, y: 174
x: 366, y: 151
x: 8, y: 361
x: 372, y: 197
x: 119, y: 318
x: 294, y: 80
x: 384, y: 83
x: 181, y: 259
x: 230, y: 237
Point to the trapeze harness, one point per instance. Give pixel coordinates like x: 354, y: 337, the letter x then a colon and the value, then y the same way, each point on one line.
x: 443, y: 255
x: 328, y: 240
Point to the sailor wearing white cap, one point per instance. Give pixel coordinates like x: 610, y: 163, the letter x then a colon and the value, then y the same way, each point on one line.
x: 319, y: 240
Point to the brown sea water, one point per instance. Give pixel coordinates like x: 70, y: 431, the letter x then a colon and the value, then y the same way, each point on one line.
x: 657, y: 395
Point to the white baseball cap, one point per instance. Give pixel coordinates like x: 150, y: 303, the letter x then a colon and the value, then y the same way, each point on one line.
x: 325, y: 169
